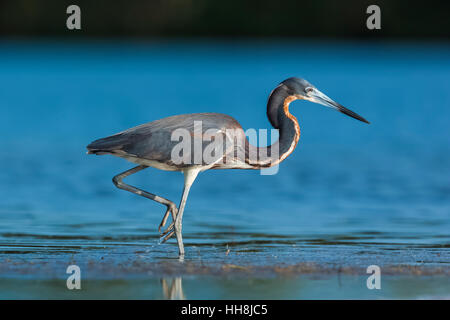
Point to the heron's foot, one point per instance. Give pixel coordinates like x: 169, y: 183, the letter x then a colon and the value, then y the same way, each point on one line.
x: 170, y: 229
x: 169, y: 235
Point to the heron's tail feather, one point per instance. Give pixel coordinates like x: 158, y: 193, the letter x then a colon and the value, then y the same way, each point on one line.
x: 107, y: 145
x: 98, y: 152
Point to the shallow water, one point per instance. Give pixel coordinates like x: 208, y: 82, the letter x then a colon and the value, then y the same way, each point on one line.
x: 350, y: 196
x: 207, y: 287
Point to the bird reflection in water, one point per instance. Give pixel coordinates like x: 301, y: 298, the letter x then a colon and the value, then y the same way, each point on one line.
x: 173, y: 288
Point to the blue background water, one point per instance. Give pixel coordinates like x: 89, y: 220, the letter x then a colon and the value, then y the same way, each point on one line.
x: 348, y: 189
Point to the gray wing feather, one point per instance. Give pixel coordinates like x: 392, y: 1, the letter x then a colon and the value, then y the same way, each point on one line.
x: 153, y: 141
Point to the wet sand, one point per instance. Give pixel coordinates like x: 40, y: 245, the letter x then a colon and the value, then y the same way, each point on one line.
x: 221, y: 272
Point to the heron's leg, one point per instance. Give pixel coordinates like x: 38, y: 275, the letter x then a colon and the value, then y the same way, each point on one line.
x: 171, y: 207
x: 189, y: 177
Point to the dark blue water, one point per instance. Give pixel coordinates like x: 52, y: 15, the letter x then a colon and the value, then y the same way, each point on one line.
x: 350, y: 195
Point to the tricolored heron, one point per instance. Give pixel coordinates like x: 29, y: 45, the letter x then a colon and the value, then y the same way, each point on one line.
x: 151, y: 145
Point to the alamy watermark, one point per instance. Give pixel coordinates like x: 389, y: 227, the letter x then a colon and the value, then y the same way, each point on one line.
x: 74, y: 280
x: 73, y: 21
x: 374, y: 281
x: 374, y: 20
x: 226, y: 148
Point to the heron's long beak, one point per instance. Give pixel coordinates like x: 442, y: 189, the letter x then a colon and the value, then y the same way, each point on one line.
x: 318, y: 97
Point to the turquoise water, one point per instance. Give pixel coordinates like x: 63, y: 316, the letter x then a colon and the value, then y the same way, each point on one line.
x: 350, y: 195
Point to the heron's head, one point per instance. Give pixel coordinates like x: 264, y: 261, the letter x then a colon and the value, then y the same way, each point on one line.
x: 302, y: 89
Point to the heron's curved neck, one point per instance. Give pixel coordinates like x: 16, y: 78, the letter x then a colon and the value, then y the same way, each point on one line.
x: 289, y: 129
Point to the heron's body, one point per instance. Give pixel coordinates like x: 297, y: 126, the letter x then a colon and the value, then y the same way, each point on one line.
x: 152, y: 144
